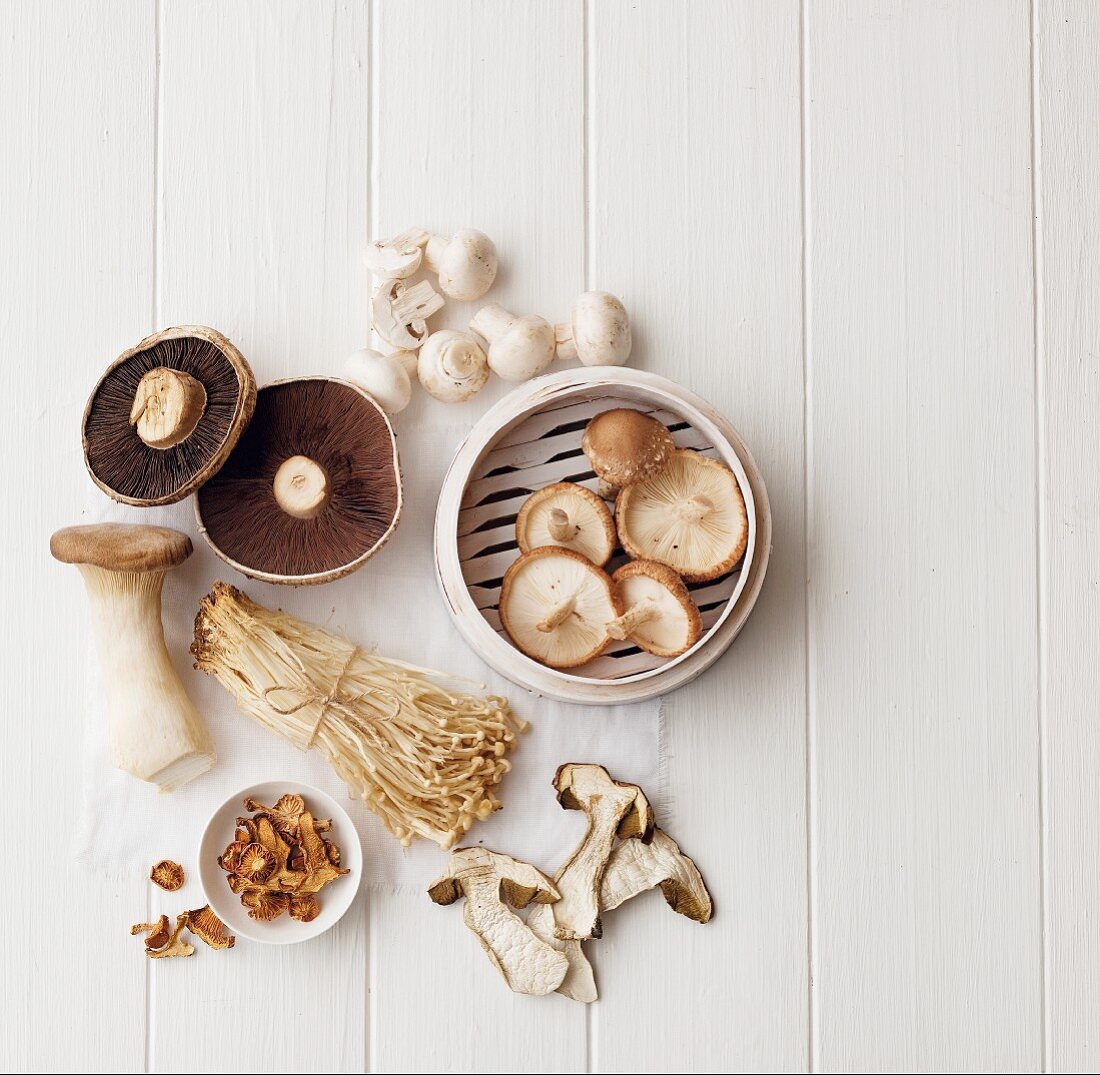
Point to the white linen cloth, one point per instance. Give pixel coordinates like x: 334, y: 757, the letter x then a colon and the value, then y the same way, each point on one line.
x: 392, y: 605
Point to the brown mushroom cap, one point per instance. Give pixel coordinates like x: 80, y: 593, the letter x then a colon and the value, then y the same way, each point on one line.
x: 132, y: 471
x: 691, y: 517
x: 338, y: 428
x: 672, y: 624
x: 121, y: 546
x: 587, y: 526
x: 625, y: 446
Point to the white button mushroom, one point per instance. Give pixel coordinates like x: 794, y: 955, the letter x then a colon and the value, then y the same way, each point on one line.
x: 452, y: 366
x: 397, y: 258
x: 598, y: 332
x: 382, y: 376
x: 519, y: 347
x: 466, y: 263
x: 400, y: 314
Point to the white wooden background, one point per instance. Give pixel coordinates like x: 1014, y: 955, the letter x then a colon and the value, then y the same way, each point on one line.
x: 869, y: 231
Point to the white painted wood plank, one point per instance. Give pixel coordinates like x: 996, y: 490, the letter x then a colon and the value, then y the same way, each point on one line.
x: 925, y: 833
x: 264, y: 155
x: 485, y: 130
x: 76, y: 208
x: 1068, y: 103
x: 695, y: 221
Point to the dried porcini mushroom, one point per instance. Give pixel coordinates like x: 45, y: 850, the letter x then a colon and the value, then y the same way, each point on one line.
x: 166, y: 414
x: 570, y: 516
x: 613, y: 809
x: 625, y: 446
x: 279, y: 861
x: 555, y: 605
x: 168, y: 875
x: 313, y: 488
x: 209, y: 928
x: 691, y: 516
x: 660, y: 615
x: 635, y: 867
x: 579, y: 982
x: 488, y: 881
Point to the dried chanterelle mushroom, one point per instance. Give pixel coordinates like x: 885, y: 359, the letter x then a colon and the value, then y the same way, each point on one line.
x: 625, y: 446
x: 166, y: 414
x: 690, y: 516
x: 556, y: 604
x: 613, y: 810
x: 570, y: 516
x: 660, y: 616
x: 156, y: 733
x: 488, y: 881
x: 168, y: 875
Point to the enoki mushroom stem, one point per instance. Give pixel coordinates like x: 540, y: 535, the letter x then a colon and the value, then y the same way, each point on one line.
x: 557, y: 616
x: 424, y: 758
x: 626, y: 624
x: 561, y: 527
x: 692, y: 509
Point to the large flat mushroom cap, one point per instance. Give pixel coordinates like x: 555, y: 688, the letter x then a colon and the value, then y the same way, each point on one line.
x: 691, y: 517
x: 555, y: 606
x: 342, y: 458
x: 121, y: 546
x: 626, y: 446
x: 131, y: 470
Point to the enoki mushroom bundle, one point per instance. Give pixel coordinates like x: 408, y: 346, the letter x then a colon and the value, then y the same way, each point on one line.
x: 425, y: 759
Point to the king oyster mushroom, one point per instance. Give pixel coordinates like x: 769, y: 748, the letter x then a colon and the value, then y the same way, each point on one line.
x: 556, y: 604
x: 625, y: 446
x: 690, y: 516
x: 570, y: 516
x: 660, y: 615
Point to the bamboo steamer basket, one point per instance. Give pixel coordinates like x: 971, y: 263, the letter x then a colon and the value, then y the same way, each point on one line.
x: 531, y: 439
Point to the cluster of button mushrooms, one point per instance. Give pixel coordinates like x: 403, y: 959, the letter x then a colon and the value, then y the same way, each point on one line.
x: 454, y: 366
x: 621, y: 855
x: 679, y: 515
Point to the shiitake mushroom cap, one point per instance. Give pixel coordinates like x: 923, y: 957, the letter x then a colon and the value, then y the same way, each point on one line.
x: 338, y: 426
x: 131, y: 471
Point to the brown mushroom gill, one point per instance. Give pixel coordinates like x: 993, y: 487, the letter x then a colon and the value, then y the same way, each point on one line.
x: 345, y: 438
x: 117, y: 455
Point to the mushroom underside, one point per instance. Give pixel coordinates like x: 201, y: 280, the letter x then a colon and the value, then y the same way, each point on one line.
x: 570, y: 516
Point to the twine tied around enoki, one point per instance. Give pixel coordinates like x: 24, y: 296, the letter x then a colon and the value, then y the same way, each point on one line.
x: 326, y: 702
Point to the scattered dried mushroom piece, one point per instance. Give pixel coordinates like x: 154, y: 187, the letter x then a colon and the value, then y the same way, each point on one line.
x: 635, y: 867
x: 209, y: 928
x: 279, y: 861
x: 168, y: 875
x: 162, y: 943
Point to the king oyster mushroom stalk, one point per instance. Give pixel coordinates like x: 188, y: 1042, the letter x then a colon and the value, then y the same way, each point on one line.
x: 660, y: 615
x: 383, y: 377
x: 466, y: 264
x: 400, y: 314
x: 452, y: 366
x: 156, y: 734
x: 568, y: 515
x: 690, y: 516
x: 489, y: 881
x: 519, y: 347
x: 397, y: 258
x: 597, y: 333
x: 625, y: 446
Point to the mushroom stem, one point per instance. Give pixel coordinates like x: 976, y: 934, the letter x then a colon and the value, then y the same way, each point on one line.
x: 565, y: 345
x: 557, y: 615
x: 626, y: 624
x: 301, y: 487
x: 692, y: 509
x: 155, y: 732
x: 417, y: 303
x: 491, y: 321
x: 167, y: 406
x: 561, y: 527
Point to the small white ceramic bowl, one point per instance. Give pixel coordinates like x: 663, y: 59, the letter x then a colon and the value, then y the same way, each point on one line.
x: 335, y: 898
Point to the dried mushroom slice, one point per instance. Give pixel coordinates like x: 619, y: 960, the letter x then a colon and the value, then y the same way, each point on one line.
x: 555, y: 605
x: 613, y: 810
x: 264, y: 905
x: 319, y: 869
x: 305, y: 908
x: 175, y: 944
x: 487, y: 879
x: 570, y: 516
x: 579, y: 982
x: 691, y: 516
x: 209, y: 928
x: 168, y: 875
x: 635, y: 867
x: 283, y: 815
x: 660, y: 615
